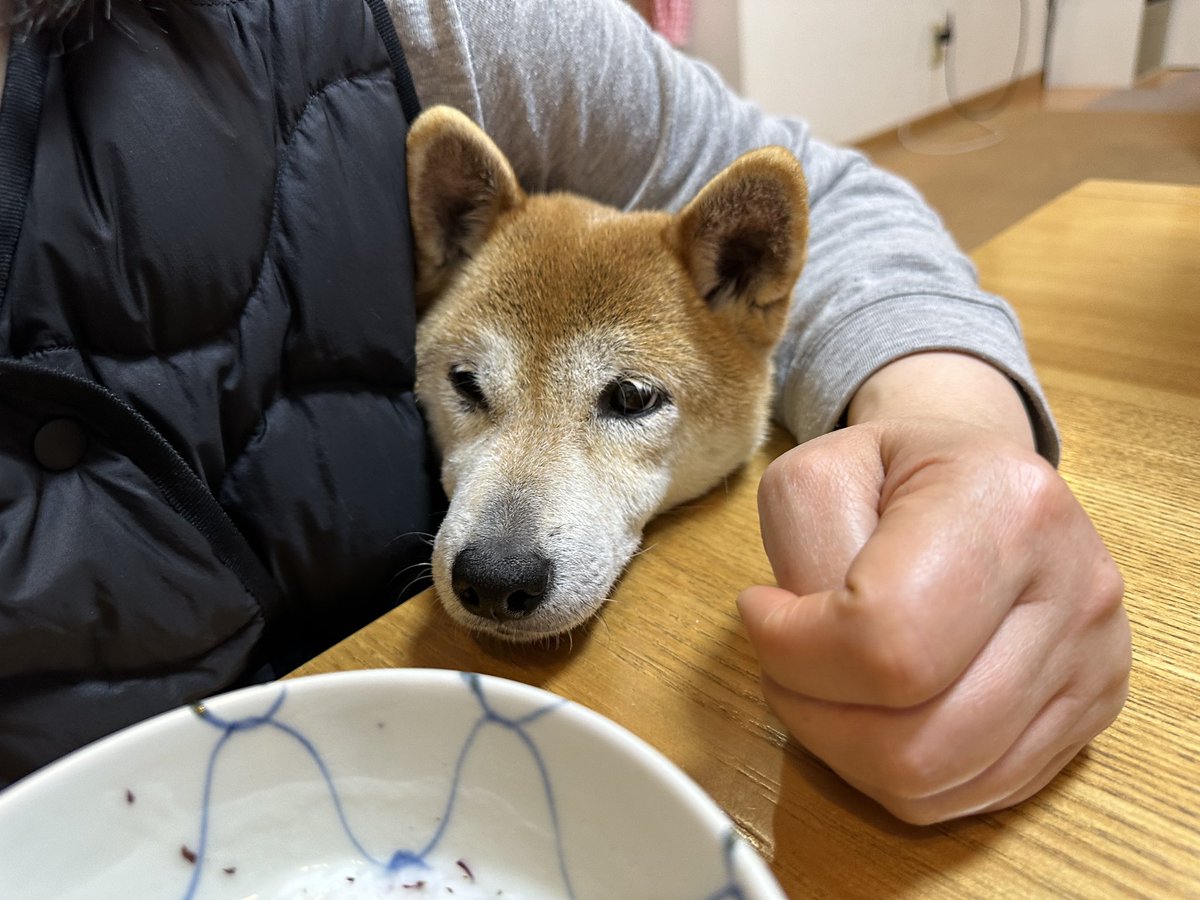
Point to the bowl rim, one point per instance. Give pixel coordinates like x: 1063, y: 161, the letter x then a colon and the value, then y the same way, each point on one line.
x: 16, y: 799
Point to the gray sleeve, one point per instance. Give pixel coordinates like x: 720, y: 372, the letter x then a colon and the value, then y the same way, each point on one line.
x: 582, y: 96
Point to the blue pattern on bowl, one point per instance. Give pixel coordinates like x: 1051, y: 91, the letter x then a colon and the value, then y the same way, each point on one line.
x: 402, y: 858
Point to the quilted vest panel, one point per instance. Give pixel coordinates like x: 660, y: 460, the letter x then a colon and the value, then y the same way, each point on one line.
x: 210, y: 453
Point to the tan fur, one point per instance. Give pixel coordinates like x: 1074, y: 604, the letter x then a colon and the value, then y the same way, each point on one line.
x: 548, y: 300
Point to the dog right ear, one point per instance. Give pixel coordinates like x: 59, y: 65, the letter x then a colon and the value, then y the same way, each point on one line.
x: 743, y: 240
x: 459, y: 184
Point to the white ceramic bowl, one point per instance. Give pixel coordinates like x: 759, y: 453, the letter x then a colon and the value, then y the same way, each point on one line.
x: 404, y: 783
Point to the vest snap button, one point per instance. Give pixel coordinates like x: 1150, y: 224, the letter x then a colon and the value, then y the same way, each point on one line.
x: 60, y: 444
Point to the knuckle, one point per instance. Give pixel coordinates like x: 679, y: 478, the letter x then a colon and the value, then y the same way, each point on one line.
x: 1110, y: 584
x: 788, y: 479
x: 915, y: 771
x: 902, y: 671
x: 1116, y: 692
x: 1044, y: 490
x: 795, y: 469
x: 907, y: 680
x: 1103, y: 602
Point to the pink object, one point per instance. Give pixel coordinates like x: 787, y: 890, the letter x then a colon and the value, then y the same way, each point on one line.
x: 672, y: 19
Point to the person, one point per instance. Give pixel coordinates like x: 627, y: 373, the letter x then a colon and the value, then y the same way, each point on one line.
x: 211, y: 464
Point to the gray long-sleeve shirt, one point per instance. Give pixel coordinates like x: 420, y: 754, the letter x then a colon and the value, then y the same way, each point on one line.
x: 582, y: 96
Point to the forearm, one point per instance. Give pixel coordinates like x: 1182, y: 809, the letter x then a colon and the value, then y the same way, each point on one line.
x: 945, y: 386
x: 884, y: 282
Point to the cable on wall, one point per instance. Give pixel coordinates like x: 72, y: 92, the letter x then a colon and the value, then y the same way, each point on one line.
x: 978, y: 116
x: 986, y: 112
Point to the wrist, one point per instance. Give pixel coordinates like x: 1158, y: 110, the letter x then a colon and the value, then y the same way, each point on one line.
x: 948, y: 386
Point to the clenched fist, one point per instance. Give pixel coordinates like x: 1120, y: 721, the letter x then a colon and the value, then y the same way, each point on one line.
x: 948, y: 630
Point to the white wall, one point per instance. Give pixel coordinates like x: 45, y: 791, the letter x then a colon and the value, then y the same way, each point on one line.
x: 716, y: 38
x: 1094, y: 43
x: 854, y: 68
x: 1183, y: 35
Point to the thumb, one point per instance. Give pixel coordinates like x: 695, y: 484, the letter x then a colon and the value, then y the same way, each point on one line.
x: 783, y: 628
x: 761, y: 608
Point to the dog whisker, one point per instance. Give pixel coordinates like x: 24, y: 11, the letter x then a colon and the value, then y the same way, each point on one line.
x: 425, y: 537
x: 607, y: 628
x: 698, y: 503
x: 425, y: 568
x: 404, y: 590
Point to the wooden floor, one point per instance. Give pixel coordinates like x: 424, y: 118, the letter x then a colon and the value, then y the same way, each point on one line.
x: 1039, y: 145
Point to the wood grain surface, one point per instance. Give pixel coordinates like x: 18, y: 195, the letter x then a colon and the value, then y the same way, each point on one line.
x: 1106, y: 280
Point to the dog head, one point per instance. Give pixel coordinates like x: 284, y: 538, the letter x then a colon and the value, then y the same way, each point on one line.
x: 581, y: 368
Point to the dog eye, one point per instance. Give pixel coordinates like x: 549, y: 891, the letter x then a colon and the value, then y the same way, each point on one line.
x: 629, y: 399
x: 466, y: 383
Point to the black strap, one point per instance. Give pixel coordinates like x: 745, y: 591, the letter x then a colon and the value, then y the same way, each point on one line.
x: 409, y: 101
x: 20, y: 111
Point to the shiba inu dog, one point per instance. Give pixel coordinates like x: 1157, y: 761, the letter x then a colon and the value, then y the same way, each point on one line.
x: 583, y: 368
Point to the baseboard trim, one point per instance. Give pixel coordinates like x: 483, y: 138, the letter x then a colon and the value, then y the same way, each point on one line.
x: 1030, y: 85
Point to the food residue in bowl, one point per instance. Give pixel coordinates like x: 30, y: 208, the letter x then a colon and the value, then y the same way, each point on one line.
x: 357, y: 880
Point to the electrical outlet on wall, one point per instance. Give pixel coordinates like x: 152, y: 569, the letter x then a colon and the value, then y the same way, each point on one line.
x: 943, y: 36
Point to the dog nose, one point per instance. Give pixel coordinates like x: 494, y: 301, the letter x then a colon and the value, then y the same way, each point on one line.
x: 500, y: 581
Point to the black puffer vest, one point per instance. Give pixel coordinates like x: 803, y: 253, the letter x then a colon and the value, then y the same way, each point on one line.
x: 211, y: 460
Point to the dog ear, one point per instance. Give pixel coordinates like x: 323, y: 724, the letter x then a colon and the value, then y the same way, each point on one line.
x: 743, y: 239
x: 459, y: 184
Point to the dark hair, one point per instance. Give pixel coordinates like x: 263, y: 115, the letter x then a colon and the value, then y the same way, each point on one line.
x: 36, y: 15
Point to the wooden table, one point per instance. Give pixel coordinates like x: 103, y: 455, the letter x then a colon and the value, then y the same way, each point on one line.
x: 1107, y: 282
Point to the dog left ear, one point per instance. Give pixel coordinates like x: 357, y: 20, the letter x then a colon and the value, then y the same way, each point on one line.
x: 743, y: 239
x: 459, y: 184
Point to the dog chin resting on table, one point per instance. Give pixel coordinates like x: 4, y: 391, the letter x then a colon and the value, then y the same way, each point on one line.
x: 583, y: 368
